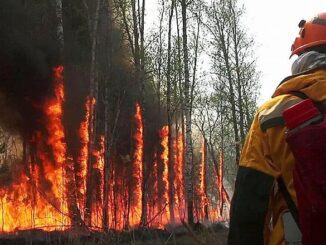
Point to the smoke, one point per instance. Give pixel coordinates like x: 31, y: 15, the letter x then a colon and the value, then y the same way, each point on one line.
x: 26, y: 61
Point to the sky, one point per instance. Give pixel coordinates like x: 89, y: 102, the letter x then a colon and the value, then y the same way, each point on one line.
x: 274, y: 26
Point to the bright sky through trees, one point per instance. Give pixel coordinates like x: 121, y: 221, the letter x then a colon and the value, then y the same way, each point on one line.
x: 274, y: 25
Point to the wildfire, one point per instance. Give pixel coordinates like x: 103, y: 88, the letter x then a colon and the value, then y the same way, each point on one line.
x: 178, y: 146
x: 201, y: 190
x: 165, y: 160
x: 84, y: 139
x: 99, y: 167
x: 220, y: 181
x: 138, y: 167
x: 153, y: 203
x: 49, y: 191
x: 37, y: 198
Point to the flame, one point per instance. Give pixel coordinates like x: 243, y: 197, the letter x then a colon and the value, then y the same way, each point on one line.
x: 154, y: 208
x: 29, y: 202
x: 56, y: 139
x: 220, y: 181
x: 84, y: 140
x: 99, y: 166
x: 178, y: 146
x: 164, y: 133
x: 137, y: 167
x: 98, y: 153
x: 201, y: 189
x: 224, y: 199
x: 39, y: 196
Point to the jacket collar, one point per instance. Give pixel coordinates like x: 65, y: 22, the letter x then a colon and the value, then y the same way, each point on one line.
x: 311, y: 82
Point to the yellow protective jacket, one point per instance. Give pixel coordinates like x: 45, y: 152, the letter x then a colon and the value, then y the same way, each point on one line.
x: 257, y: 205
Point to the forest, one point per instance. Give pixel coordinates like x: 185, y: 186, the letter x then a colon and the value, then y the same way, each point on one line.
x: 113, y: 122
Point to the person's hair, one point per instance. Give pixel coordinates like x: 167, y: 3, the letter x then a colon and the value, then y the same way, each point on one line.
x: 319, y: 49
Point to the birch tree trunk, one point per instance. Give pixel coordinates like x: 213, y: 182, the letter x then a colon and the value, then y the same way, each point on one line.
x: 169, y: 118
x: 60, y: 37
x: 160, y: 58
x: 187, y: 109
x: 143, y: 103
x: 236, y: 39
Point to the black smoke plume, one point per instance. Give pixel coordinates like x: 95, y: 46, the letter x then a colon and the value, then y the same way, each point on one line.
x: 27, y: 56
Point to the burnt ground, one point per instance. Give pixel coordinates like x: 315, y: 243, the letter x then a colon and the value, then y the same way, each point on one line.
x: 215, y: 234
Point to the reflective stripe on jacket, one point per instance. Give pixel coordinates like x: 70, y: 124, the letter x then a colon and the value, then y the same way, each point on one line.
x: 257, y: 205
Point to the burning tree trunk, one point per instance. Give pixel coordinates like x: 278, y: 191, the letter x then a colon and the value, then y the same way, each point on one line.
x: 57, y: 141
x: 141, y: 21
x: 220, y: 182
x: 165, y: 175
x: 202, y: 209
x: 137, y: 171
x: 178, y: 183
x: 205, y: 180
x: 74, y: 211
x: 180, y: 136
x: 92, y: 122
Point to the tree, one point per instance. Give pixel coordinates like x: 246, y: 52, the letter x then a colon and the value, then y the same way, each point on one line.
x: 169, y: 116
x: 135, y: 32
x: 187, y: 110
x: 233, y: 66
x: 93, y: 94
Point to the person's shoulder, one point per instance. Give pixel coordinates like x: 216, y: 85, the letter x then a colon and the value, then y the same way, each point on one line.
x: 270, y: 113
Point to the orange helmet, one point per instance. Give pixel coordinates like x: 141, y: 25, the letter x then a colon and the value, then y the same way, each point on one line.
x: 312, y: 33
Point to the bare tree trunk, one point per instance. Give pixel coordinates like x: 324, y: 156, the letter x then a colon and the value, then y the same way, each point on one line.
x: 160, y: 58
x: 187, y: 109
x: 181, y: 91
x: 233, y: 107
x: 235, y: 37
x: 136, y: 38
x: 108, y: 137
x: 169, y: 115
x: 193, y: 84
x: 143, y: 103
x: 60, y: 37
x: 92, y: 122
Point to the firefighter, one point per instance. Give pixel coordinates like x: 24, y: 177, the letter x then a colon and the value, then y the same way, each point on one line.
x: 259, y: 210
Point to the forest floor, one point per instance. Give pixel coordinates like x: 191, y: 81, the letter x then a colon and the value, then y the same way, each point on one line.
x: 215, y: 234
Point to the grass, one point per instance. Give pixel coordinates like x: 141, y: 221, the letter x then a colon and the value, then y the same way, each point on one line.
x: 216, y: 234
